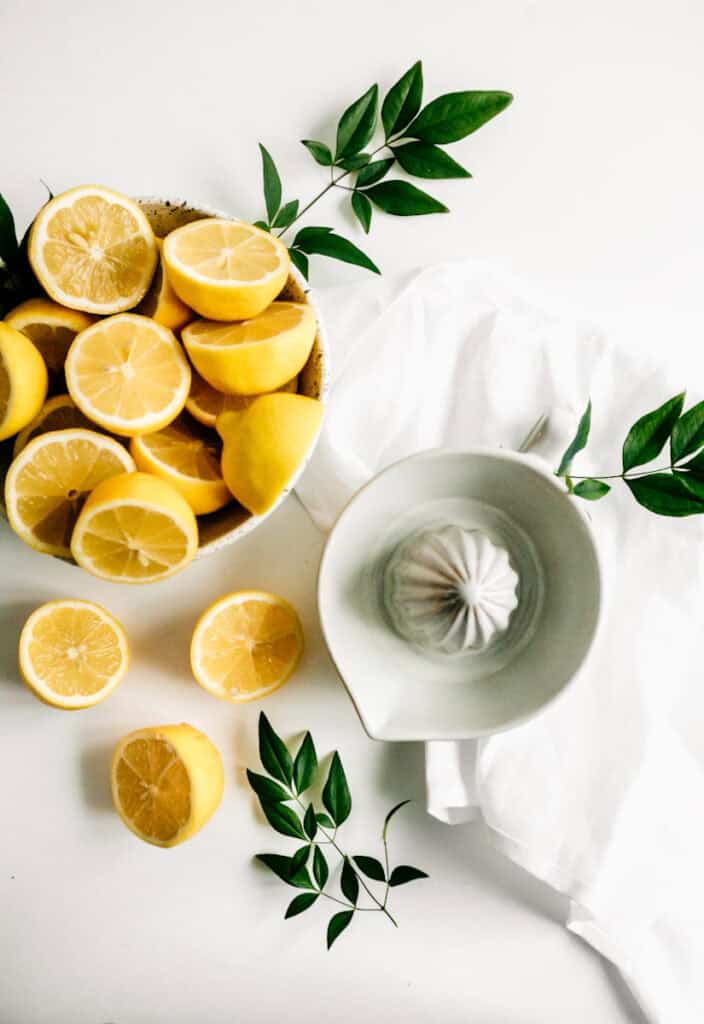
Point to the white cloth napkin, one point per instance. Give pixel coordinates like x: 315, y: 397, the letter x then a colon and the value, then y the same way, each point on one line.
x: 601, y: 796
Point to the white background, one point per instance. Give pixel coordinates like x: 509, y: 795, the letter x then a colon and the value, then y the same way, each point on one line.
x: 589, y: 185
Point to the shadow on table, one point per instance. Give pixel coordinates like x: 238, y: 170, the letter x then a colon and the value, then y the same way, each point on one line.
x: 12, y: 617
x: 94, y: 768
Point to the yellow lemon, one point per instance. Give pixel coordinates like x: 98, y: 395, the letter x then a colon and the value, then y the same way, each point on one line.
x: 93, y: 249
x: 255, y: 356
x: 135, y: 528
x: 128, y: 374
x: 48, y: 481
x: 224, y: 269
x: 205, y: 404
x: 162, y: 303
x: 246, y: 645
x: 167, y: 781
x: 265, y: 445
x: 189, y: 459
x: 50, y: 326
x: 57, y: 413
x: 23, y: 381
x: 72, y: 654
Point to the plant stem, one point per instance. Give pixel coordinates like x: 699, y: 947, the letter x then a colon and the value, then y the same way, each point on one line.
x: 624, y: 476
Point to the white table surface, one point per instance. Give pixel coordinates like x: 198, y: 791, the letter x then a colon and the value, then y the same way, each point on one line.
x: 590, y: 186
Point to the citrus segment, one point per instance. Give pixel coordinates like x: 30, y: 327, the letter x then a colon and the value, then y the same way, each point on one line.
x: 128, y: 374
x: 23, y: 381
x: 93, y: 249
x: 246, y: 645
x: 72, y: 654
x: 57, y: 413
x: 50, y: 327
x: 162, y: 303
x: 135, y: 528
x: 166, y: 782
x: 49, y: 480
x: 205, y: 403
x: 257, y: 355
x: 225, y: 270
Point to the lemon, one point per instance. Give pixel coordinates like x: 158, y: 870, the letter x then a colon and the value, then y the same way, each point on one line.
x: 23, y: 381
x: 93, y: 249
x: 166, y: 782
x: 264, y: 446
x: 205, y: 404
x: 72, y: 654
x: 224, y: 269
x: 135, y: 528
x: 162, y: 303
x: 50, y: 326
x: 57, y: 413
x: 48, y: 481
x: 254, y: 356
x: 189, y: 459
x: 128, y: 374
x: 246, y: 645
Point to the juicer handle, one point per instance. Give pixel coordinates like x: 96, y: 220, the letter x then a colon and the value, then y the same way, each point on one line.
x: 451, y: 780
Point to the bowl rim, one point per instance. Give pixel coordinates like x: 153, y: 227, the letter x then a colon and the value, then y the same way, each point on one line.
x: 253, y: 521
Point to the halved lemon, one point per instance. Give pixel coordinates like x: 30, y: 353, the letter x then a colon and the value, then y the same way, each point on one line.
x: 166, y: 782
x: 57, y: 413
x: 189, y: 458
x: 93, y: 249
x: 255, y: 356
x: 205, y: 403
x: 246, y: 645
x: 72, y: 654
x: 225, y: 269
x: 23, y: 381
x: 128, y: 374
x: 49, y: 326
x: 162, y: 303
x: 135, y: 528
x: 48, y: 481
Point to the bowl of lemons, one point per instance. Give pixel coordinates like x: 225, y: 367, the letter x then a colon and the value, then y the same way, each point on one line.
x: 163, y: 391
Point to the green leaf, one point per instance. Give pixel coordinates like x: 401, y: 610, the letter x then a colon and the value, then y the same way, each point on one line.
x: 305, y: 764
x: 8, y: 238
x: 591, y: 490
x: 693, y: 483
x: 688, y: 433
x: 402, y: 101
x: 402, y: 199
x: 336, y: 794
x: 324, y: 821
x: 362, y: 210
x: 337, y: 925
x: 320, y: 151
x: 457, y: 114
x: 261, y: 224
x: 349, y: 883
x: 371, y: 867
x: 665, y: 494
x: 306, y: 234
x: 427, y: 161
x: 404, y: 873
x: 353, y: 163
x: 286, y: 215
x: 356, y: 126
x: 272, y: 184
x: 300, y: 903
x: 648, y: 435
x: 299, y: 859
x: 281, y: 866
x: 273, y: 753
x: 284, y: 819
x: 268, y: 791
x: 374, y: 172
x: 696, y: 465
x: 320, y: 868
x: 300, y: 261
x: 394, y: 810
x: 309, y: 823
x: 578, y: 443
x: 337, y: 248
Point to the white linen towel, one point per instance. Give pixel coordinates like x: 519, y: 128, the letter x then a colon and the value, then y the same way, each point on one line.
x: 602, y: 795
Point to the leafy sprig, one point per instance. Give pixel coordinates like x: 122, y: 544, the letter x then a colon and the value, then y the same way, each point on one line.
x: 279, y: 794
x: 411, y: 138
x: 676, y: 489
